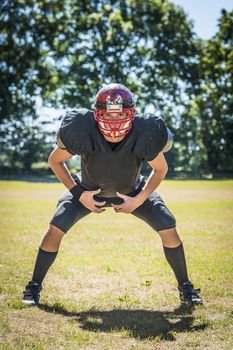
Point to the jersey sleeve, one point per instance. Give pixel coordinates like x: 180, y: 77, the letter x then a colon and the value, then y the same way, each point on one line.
x: 59, y: 142
x: 74, y: 134
x: 169, y: 142
x: 152, y: 137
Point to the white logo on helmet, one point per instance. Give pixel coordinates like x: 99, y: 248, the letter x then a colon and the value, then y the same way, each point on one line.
x: 116, y: 105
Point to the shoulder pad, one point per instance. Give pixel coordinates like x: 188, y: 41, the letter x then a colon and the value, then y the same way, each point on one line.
x: 152, y: 136
x: 75, y: 132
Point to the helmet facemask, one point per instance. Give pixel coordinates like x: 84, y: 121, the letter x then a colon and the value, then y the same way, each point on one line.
x: 114, y: 111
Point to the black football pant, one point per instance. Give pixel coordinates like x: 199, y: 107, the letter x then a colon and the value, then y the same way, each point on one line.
x: 153, y: 211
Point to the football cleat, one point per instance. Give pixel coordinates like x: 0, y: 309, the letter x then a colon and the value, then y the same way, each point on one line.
x: 31, y: 295
x: 189, y: 295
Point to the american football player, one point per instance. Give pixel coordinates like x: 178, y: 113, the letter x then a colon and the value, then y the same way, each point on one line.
x: 113, y: 138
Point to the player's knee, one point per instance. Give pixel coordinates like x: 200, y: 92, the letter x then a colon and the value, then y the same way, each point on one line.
x: 65, y: 217
x: 170, y: 221
x: 54, y: 232
x: 166, y: 219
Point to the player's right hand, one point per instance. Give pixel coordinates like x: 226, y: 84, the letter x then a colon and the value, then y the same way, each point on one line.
x: 88, y: 201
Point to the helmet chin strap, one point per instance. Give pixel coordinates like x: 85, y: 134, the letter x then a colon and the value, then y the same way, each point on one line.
x: 114, y: 137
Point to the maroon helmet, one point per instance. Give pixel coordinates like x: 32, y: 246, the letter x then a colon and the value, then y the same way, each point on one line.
x: 114, y: 110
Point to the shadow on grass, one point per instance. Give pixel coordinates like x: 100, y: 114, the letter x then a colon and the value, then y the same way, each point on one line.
x: 141, y: 324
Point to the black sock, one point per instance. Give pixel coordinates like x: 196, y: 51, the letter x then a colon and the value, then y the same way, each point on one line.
x: 43, y: 262
x: 176, y: 259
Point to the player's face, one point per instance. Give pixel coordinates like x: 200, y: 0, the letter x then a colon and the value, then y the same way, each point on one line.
x: 113, y: 117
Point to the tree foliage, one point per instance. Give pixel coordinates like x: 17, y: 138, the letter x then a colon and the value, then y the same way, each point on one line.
x: 64, y: 51
x: 215, y: 100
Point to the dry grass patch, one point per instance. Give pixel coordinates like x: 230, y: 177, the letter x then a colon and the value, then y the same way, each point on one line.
x: 110, y: 287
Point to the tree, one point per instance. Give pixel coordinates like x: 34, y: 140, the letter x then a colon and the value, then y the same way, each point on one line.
x: 28, y: 30
x: 64, y: 51
x: 215, y: 100
x: 24, y: 144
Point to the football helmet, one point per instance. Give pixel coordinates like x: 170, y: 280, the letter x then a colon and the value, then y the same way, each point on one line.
x: 114, y: 111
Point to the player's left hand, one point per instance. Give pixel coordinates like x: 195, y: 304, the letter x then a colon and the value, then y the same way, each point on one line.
x: 128, y: 206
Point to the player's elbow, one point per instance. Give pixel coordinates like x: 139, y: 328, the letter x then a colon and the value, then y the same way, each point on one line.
x: 165, y: 171
x: 50, y: 159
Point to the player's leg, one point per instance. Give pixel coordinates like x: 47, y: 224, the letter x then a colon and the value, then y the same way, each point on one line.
x: 158, y: 216
x: 174, y: 252
x: 67, y: 214
x: 45, y: 257
x: 47, y: 252
x: 52, y: 239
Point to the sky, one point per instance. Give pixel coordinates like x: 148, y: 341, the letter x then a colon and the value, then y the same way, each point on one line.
x: 205, y: 14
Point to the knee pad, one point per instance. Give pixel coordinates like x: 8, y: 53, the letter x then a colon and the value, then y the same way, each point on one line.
x: 165, y: 219
x: 162, y: 218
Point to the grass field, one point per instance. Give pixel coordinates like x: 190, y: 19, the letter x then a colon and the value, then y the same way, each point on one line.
x: 111, y: 287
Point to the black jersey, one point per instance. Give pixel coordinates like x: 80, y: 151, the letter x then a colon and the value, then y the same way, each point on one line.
x: 113, y: 169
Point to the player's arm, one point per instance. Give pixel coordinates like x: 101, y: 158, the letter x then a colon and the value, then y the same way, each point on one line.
x: 159, y: 170
x: 56, y: 161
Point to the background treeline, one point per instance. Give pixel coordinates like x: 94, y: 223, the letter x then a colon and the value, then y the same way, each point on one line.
x: 62, y: 52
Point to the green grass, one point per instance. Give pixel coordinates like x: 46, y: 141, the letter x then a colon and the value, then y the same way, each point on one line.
x: 111, y: 287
